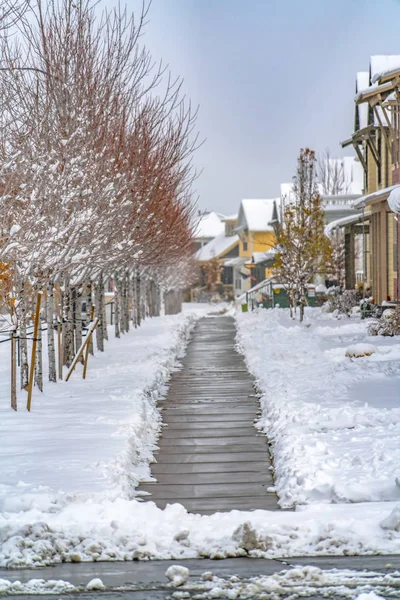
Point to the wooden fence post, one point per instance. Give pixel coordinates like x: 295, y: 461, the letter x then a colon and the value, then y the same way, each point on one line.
x: 33, y: 358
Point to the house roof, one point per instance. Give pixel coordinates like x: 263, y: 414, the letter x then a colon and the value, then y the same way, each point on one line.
x: 208, y: 225
x: 230, y: 218
x: 378, y: 195
x: 256, y: 214
x: 216, y: 247
x: 239, y: 261
x: 381, y: 63
x: 386, y: 75
x: 330, y: 228
x: 262, y: 257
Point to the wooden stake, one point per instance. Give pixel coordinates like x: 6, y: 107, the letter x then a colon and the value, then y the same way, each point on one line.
x: 33, y: 358
x: 92, y: 327
x: 13, y: 365
x: 88, y: 346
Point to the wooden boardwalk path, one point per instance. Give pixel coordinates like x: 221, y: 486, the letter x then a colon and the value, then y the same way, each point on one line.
x: 210, y: 456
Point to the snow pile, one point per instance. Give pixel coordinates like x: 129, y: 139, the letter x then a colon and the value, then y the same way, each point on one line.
x: 359, y: 350
x: 95, y: 584
x: 299, y: 582
x: 177, y: 575
x: 334, y: 423
x: 35, y: 586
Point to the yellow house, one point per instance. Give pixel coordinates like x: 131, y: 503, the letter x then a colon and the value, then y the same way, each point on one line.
x: 256, y: 235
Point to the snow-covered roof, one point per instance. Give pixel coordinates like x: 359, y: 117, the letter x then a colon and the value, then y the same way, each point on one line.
x: 230, y: 218
x: 220, y: 244
x: 363, y: 201
x: 209, y: 225
x: 260, y: 257
x: 256, y: 214
x: 239, y: 261
x: 378, y: 65
x: 381, y: 63
x: 330, y: 228
x: 362, y: 82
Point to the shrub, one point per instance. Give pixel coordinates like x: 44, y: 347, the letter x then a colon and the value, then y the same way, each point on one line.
x: 388, y: 324
x: 343, y: 303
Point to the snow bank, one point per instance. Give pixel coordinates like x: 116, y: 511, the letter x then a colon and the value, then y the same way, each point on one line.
x: 334, y: 424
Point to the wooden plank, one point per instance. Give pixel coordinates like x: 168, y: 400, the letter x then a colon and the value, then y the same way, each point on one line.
x: 210, y: 456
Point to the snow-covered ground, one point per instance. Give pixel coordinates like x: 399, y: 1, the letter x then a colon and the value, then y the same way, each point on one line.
x: 334, y: 421
x: 68, y: 469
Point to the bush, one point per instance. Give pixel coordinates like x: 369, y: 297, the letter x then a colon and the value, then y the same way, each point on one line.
x: 343, y: 303
x: 388, y: 324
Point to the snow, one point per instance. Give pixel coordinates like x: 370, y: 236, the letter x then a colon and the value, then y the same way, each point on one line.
x: 333, y: 441
x: 35, y: 586
x: 293, y: 582
x: 362, y: 82
x: 95, y: 584
x: 69, y: 468
x: 380, y: 64
x: 360, y: 349
x: 217, y: 246
x: 364, y: 200
x: 298, y: 582
x: 209, y: 225
x: 177, y: 575
x: 260, y: 257
x: 255, y: 215
x: 394, y: 200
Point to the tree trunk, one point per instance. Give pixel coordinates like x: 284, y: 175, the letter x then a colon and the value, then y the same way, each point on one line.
x: 99, y: 294
x: 126, y: 301
x: 39, y: 358
x: 138, y: 310
x: 13, y: 362
x: 104, y: 311
x: 50, y: 333
x: 302, y: 295
x: 89, y: 304
x: 24, y: 372
x: 68, y: 334
x: 116, y: 306
x: 78, y: 318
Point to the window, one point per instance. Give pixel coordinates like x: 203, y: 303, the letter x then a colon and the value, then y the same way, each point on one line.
x: 244, y: 246
x: 227, y: 275
x: 229, y: 227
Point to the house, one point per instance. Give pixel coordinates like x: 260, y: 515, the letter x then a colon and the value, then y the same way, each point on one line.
x: 256, y: 240
x: 376, y: 141
x: 216, y: 272
x: 207, y: 225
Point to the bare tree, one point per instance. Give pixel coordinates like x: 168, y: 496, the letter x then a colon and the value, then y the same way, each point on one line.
x: 331, y: 175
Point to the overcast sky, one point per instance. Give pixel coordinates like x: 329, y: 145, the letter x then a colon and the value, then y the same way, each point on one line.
x: 270, y: 77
